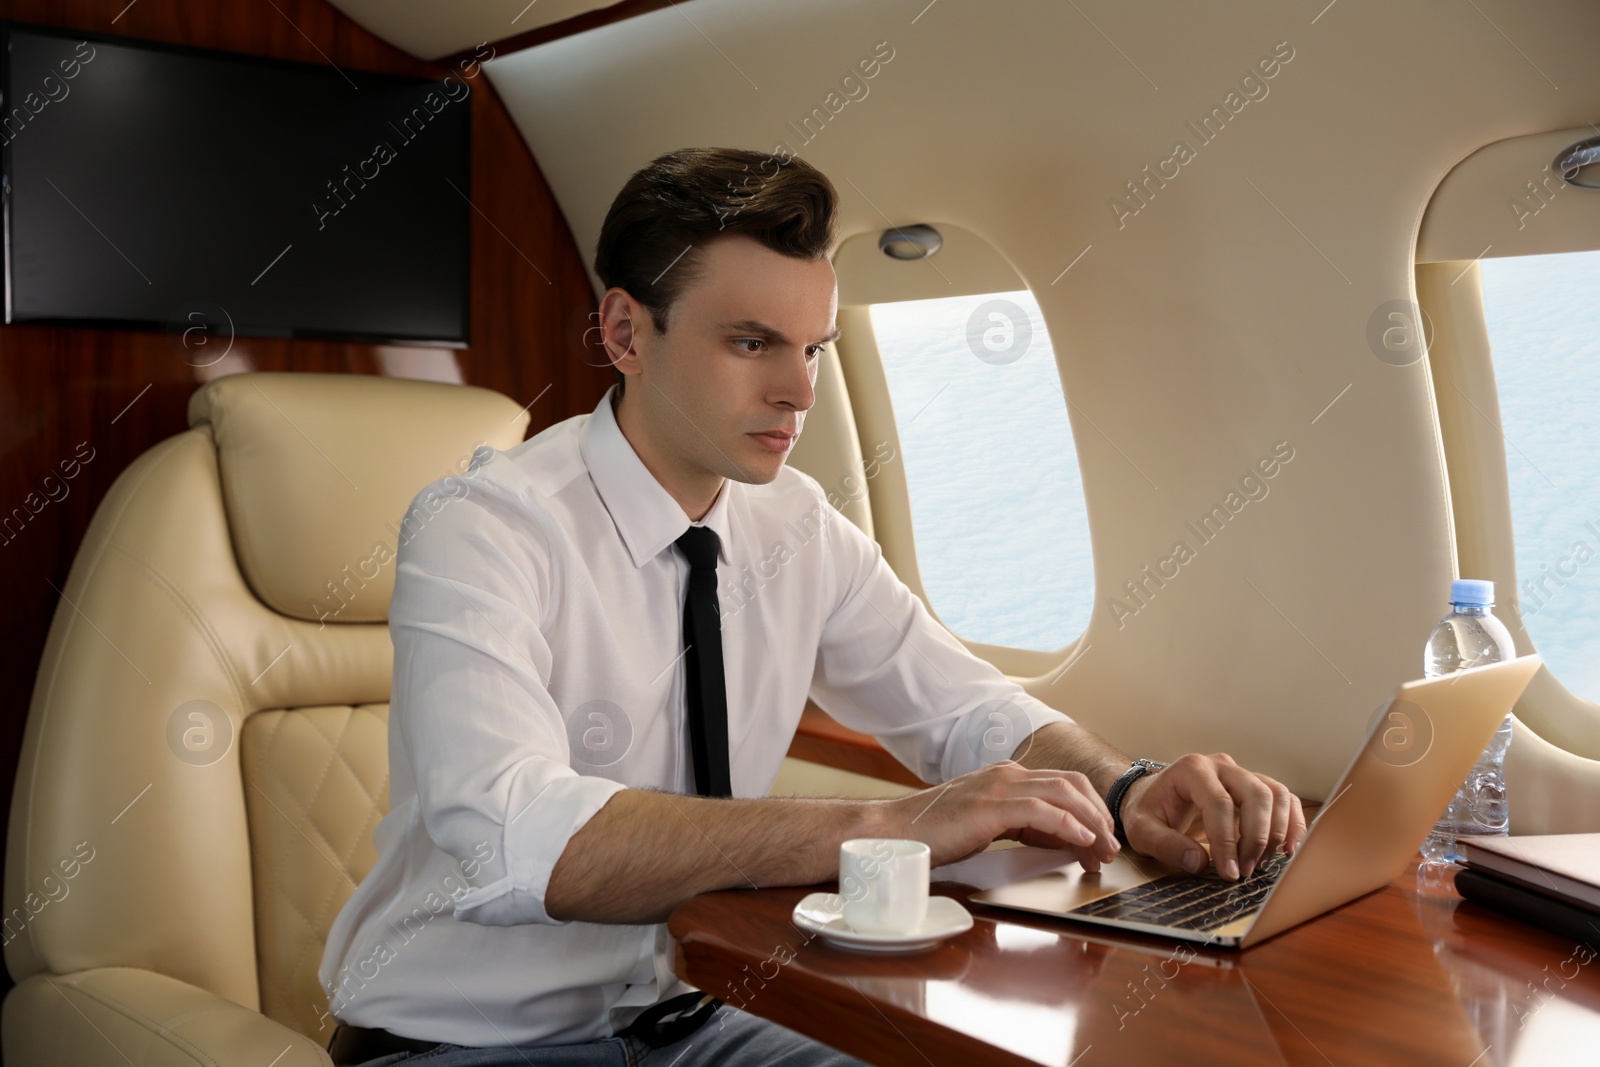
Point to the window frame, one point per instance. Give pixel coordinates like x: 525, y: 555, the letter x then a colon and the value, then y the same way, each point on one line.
x: 890, y: 497
x: 1466, y: 394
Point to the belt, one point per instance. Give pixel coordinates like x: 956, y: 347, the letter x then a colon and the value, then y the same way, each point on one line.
x: 692, y: 1010
x: 358, y: 1044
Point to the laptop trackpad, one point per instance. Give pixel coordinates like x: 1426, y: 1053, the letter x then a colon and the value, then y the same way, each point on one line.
x: 1033, y: 884
x: 1055, y: 873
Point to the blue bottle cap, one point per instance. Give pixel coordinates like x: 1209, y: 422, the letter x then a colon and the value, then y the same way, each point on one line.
x: 1475, y: 592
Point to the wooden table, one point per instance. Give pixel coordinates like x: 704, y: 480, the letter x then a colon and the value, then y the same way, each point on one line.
x: 1410, y: 974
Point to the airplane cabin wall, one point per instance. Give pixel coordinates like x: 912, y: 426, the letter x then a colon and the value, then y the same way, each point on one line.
x: 1221, y: 317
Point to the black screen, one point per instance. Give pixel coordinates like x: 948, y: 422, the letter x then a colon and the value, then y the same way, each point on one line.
x: 146, y: 185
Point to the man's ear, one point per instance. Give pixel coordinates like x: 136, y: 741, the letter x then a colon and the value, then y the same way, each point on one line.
x: 619, y: 313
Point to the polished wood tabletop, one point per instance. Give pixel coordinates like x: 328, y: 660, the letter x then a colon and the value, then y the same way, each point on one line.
x: 1409, y: 974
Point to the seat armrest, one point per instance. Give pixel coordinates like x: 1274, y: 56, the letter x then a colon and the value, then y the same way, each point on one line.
x: 117, y: 1016
x: 819, y: 738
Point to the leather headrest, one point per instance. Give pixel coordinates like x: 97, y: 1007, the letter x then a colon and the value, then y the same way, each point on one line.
x: 318, y: 470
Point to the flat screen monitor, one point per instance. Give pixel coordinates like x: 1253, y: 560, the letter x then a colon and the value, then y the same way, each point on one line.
x: 148, y: 185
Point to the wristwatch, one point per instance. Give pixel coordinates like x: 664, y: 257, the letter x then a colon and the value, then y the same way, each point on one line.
x: 1119, y: 789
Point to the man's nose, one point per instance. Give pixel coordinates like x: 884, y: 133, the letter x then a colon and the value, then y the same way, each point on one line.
x: 796, y: 387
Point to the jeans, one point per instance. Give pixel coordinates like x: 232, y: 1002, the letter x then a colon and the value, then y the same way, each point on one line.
x: 730, y: 1037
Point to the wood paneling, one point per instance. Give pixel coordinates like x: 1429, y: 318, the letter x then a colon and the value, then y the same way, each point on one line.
x: 821, y: 739
x: 589, y: 20
x: 119, y: 392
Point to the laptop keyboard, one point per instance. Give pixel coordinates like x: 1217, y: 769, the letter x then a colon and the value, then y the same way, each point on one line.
x: 1202, y: 901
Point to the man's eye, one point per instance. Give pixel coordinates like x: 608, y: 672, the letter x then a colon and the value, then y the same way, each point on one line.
x: 749, y: 341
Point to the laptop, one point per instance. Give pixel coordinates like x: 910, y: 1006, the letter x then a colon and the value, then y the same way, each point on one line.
x: 1419, y: 748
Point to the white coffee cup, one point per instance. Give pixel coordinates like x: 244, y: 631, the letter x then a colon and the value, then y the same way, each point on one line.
x: 883, y: 883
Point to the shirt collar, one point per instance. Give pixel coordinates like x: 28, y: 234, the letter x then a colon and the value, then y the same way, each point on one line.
x: 646, y: 515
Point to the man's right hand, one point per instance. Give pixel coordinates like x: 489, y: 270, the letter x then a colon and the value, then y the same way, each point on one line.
x: 1005, y: 800
x: 645, y: 852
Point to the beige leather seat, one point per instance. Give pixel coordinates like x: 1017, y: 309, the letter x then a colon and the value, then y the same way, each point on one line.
x: 206, y: 751
x: 206, y: 754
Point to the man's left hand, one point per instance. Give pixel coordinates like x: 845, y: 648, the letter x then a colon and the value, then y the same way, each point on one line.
x: 1246, y: 815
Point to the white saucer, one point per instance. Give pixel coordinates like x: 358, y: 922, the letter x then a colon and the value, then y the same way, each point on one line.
x: 822, y: 913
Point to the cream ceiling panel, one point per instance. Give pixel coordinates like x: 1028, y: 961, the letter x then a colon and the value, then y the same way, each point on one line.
x: 1507, y: 199
x: 1220, y: 203
x: 428, y: 29
x: 964, y: 265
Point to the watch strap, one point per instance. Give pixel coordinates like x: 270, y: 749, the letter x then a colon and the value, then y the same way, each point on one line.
x: 1119, y: 789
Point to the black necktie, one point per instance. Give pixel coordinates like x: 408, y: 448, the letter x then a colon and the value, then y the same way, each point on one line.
x: 705, y: 689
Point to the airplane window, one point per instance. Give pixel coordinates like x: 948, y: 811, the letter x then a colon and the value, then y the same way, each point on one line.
x: 1543, y: 318
x: 997, y: 505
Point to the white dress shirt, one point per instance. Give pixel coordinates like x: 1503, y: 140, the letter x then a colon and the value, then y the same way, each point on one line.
x: 538, y: 669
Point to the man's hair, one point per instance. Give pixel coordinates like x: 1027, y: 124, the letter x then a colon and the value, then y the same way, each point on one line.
x: 652, y: 239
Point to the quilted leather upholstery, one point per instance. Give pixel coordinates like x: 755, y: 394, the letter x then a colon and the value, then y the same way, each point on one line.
x: 316, y: 783
x: 205, y: 755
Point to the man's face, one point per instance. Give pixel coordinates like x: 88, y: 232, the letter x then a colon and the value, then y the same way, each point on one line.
x: 738, y: 360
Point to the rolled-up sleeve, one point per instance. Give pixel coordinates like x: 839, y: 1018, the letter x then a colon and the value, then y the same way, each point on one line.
x: 887, y: 667
x: 471, y: 708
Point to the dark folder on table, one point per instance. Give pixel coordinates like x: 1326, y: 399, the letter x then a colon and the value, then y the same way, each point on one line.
x: 1549, y: 880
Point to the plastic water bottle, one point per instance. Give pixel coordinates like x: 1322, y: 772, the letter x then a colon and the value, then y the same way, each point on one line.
x: 1470, y: 636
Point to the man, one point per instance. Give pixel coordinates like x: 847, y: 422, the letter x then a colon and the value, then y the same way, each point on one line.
x: 580, y: 740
